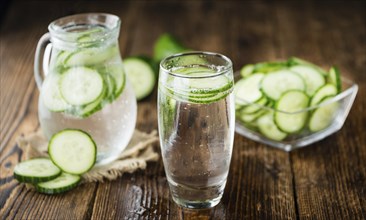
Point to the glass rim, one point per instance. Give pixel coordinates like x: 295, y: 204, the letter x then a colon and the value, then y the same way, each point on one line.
x: 222, y: 71
x: 57, y: 29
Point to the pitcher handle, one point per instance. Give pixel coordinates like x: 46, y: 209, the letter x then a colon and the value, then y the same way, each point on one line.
x: 46, y: 57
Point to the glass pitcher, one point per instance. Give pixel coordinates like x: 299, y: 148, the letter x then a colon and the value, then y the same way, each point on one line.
x: 83, y: 85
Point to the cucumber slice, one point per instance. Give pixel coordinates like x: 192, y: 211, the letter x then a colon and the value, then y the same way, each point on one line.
x: 290, y: 102
x: 110, y: 85
x: 323, y: 116
x: 324, y: 91
x: 258, y: 105
x: 334, y: 77
x: 249, y: 118
x: 313, y: 79
x: 294, y: 61
x: 269, y: 129
x: 63, y: 183
x: 167, y: 45
x: 267, y: 67
x: 89, y: 109
x: 118, y: 74
x: 141, y: 76
x: 81, y: 85
x: 91, y: 56
x: 51, y: 95
x: 36, y: 170
x: 274, y: 84
x: 73, y: 151
x: 247, y: 90
x: 247, y: 70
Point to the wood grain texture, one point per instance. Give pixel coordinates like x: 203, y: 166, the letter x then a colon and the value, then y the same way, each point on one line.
x: 324, y: 181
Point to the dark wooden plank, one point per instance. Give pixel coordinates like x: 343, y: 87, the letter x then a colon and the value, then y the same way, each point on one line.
x: 323, y: 181
x: 330, y: 174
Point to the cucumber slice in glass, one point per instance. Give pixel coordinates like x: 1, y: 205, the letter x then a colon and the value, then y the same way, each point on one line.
x: 81, y: 85
x: 63, y: 183
x: 313, y: 79
x: 36, y: 170
x: 288, y: 119
x: 274, y: 84
x: 73, y: 151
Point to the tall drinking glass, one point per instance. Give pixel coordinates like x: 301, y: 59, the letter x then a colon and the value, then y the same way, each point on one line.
x: 196, y: 126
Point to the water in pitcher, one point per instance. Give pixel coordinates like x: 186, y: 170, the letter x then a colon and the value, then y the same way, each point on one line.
x: 86, y: 88
x: 195, y: 128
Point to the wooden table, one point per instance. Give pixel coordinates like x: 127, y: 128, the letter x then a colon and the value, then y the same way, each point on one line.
x: 324, y: 181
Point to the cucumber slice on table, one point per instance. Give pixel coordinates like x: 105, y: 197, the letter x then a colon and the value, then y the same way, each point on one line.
x: 313, y: 79
x: 36, y: 170
x: 269, y: 129
x: 63, y: 183
x: 73, y: 151
x: 290, y: 102
x: 51, y: 95
x: 81, y: 85
x: 334, y: 77
x: 247, y: 90
x: 324, y: 91
x: 323, y: 116
x: 274, y: 84
x: 141, y: 76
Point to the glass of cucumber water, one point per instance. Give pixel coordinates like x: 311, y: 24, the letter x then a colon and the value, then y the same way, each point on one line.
x: 83, y: 85
x: 196, y: 126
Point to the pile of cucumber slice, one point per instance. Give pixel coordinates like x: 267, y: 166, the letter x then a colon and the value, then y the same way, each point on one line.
x: 286, y: 98
x: 72, y: 153
x: 82, y: 81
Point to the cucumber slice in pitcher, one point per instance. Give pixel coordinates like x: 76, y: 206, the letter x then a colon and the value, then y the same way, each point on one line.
x: 51, y: 95
x: 118, y: 74
x: 141, y: 76
x: 91, y: 56
x: 73, y: 151
x: 63, y: 183
x: 81, y: 86
x: 290, y: 102
x: 36, y: 170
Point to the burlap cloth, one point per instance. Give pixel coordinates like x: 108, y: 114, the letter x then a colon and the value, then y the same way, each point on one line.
x: 139, y: 151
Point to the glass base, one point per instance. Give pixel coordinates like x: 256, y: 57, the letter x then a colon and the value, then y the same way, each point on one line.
x: 197, y: 204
